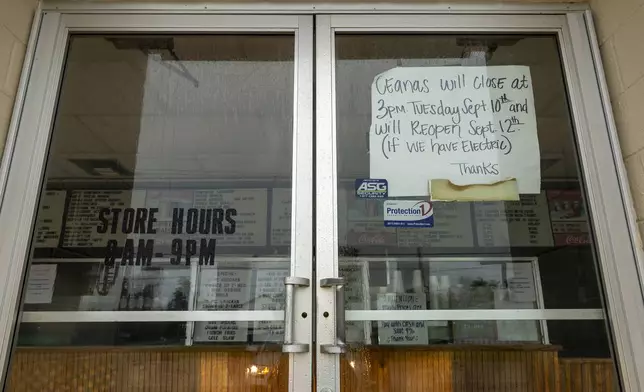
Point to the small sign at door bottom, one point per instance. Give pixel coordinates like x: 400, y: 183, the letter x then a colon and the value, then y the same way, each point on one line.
x: 408, y: 213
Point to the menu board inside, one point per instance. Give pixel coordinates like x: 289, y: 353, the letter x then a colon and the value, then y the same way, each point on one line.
x: 250, y: 206
x: 514, y: 223
x: 452, y: 228
x: 235, y: 217
x: 261, y: 218
x: 83, y: 216
x: 364, y: 225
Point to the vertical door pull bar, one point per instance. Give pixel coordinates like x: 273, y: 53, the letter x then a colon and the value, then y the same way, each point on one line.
x: 339, y: 345
x: 289, y: 346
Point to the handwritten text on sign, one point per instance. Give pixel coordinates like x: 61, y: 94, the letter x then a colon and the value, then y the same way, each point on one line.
x: 468, y: 125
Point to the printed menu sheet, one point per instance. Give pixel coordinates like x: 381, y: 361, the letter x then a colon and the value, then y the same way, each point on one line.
x: 364, y: 225
x: 251, y: 213
x: 521, y: 282
x: 514, y: 223
x: 40, y: 284
x: 83, y: 215
x: 269, y: 295
x: 50, y: 219
x: 452, y: 228
x: 223, y: 289
x: 281, y: 217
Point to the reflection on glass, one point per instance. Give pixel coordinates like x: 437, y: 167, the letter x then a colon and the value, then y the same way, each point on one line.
x: 484, y: 261
x: 168, y: 188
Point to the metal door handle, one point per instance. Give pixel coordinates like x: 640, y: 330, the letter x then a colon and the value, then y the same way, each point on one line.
x: 339, y: 345
x: 289, y: 346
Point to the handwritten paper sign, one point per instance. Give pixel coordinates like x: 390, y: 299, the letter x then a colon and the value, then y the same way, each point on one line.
x: 402, y: 332
x: 465, y: 125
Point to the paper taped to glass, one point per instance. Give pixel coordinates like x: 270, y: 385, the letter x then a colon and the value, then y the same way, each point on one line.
x: 473, y: 128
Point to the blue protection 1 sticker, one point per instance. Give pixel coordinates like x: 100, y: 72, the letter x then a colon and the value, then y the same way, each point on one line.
x: 367, y: 188
x: 408, y: 213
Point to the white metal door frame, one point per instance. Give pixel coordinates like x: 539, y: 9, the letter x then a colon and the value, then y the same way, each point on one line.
x: 24, y: 167
x: 602, y: 170
x: 23, y: 161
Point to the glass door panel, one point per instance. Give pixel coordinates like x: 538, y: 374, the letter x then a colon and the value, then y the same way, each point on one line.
x: 173, y: 243
x: 163, y: 238
x: 476, y: 289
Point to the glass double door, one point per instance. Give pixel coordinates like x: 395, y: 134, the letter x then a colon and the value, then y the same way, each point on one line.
x: 194, y: 232
x: 172, y: 249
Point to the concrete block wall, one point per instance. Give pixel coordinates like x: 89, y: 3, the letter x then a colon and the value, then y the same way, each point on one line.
x: 15, y: 24
x: 620, y: 28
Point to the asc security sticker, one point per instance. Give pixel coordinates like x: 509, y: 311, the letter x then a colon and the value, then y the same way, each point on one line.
x: 368, y: 188
x: 408, y: 213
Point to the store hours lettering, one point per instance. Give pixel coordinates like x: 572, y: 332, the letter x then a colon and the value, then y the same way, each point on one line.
x: 193, y: 227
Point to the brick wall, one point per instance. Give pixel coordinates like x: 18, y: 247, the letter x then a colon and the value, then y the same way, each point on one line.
x: 15, y: 24
x: 620, y: 27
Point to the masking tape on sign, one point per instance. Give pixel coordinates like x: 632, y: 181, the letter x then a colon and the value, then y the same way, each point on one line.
x: 447, y: 191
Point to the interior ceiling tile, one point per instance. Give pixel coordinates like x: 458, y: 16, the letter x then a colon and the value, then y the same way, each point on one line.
x: 62, y: 167
x: 102, y: 88
x: 72, y: 135
x: 120, y: 133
